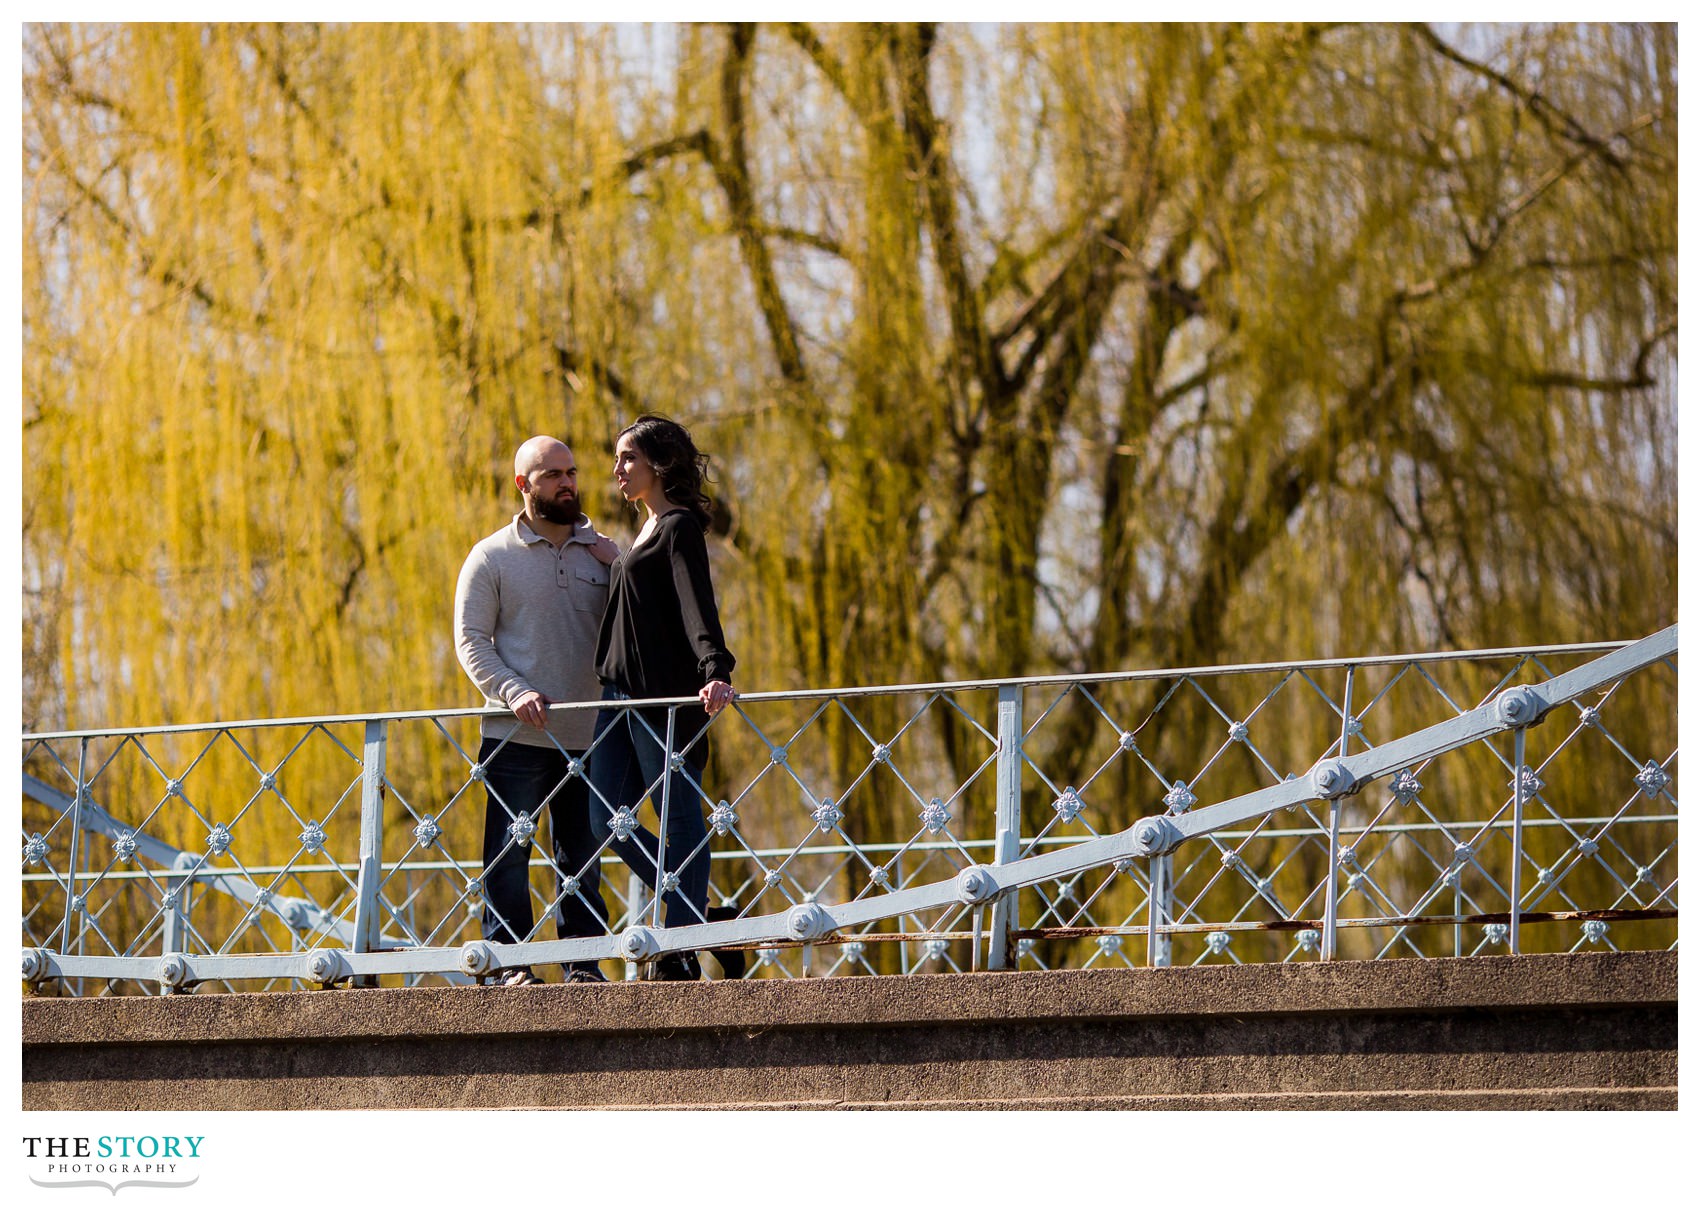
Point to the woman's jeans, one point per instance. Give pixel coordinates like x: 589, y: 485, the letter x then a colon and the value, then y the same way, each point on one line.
x: 628, y: 759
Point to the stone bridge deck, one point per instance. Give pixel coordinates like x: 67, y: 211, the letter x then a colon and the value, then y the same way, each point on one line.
x: 1589, y: 1031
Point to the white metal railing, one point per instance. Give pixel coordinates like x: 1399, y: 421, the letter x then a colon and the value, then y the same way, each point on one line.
x: 1250, y: 814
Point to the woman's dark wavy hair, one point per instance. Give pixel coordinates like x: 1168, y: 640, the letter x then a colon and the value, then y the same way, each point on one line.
x: 682, y: 467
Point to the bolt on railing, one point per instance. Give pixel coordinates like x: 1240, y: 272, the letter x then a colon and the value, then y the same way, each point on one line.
x: 948, y: 842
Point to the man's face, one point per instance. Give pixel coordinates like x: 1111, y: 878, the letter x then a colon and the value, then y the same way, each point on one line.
x: 552, y: 486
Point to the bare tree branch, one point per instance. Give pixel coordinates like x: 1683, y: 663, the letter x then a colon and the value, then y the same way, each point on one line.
x: 803, y: 34
x: 1554, y: 120
x: 731, y: 169
x: 973, y: 352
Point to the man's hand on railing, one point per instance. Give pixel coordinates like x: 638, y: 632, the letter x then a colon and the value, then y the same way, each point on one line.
x: 532, y: 708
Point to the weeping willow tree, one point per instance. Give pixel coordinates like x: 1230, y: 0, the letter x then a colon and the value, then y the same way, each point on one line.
x: 1020, y: 350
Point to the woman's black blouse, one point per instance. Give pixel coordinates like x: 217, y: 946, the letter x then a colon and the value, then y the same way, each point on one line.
x: 661, y: 634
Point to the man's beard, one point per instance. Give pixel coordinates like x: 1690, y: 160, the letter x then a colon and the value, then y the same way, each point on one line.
x: 562, y: 512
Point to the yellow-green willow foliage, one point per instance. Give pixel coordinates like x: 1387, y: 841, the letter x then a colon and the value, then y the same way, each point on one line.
x: 1019, y: 349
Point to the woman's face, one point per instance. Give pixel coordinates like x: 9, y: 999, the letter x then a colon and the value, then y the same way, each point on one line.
x: 632, y: 472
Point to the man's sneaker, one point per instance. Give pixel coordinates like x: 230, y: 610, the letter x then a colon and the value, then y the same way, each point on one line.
x: 584, y: 974
x: 514, y: 977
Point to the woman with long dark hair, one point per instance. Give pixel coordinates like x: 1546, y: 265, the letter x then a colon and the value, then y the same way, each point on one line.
x: 661, y: 638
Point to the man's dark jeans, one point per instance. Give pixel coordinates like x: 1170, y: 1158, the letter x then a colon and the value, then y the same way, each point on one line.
x: 517, y: 778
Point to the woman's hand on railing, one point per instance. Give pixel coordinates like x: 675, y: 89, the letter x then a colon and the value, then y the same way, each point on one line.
x: 716, y: 695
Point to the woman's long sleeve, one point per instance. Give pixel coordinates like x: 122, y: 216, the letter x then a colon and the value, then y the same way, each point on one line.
x: 688, y: 553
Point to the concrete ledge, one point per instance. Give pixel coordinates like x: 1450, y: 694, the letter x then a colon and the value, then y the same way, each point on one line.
x: 1331, y: 1100
x: 1594, y: 1030
x: 1597, y: 979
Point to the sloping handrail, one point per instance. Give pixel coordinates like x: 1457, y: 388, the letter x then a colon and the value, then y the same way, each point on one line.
x: 1332, y: 779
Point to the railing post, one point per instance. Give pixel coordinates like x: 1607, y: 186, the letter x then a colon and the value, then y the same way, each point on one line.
x: 71, y: 930
x: 410, y: 922
x: 1516, y: 839
x: 661, y: 814
x: 371, y: 876
x: 1006, y: 909
x: 634, y: 899
x: 1159, y: 947
x: 1331, y: 901
x: 896, y: 866
x: 179, y: 905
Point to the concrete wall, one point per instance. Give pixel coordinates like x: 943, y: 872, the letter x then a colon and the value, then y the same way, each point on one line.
x: 1583, y: 1031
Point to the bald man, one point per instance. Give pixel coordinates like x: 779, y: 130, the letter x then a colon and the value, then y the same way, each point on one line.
x: 527, y: 609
